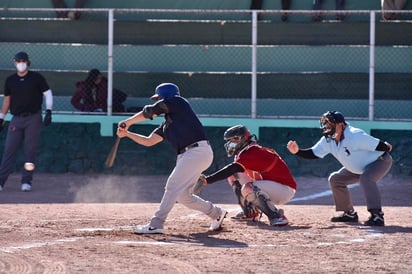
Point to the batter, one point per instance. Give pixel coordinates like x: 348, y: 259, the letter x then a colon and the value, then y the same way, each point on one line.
x: 183, y: 130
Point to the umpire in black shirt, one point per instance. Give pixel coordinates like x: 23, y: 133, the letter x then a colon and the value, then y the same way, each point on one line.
x: 23, y: 96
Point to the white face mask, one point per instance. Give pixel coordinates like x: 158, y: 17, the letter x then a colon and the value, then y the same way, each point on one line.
x: 21, y: 66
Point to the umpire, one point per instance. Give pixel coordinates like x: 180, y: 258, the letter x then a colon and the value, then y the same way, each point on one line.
x: 23, y: 96
x: 364, y: 158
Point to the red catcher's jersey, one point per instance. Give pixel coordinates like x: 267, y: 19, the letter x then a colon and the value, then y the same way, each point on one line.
x: 255, y: 158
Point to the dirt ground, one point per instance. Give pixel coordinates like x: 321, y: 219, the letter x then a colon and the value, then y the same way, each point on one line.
x: 84, y: 224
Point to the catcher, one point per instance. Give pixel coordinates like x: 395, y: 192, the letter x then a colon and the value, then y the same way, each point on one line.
x: 259, y: 177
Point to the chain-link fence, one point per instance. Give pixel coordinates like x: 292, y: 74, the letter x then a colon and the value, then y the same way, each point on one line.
x: 227, y: 63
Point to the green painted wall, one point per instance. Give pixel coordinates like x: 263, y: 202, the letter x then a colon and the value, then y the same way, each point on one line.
x: 79, y: 148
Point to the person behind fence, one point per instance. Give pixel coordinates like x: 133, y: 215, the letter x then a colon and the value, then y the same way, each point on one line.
x: 365, y: 159
x: 258, y: 4
x: 317, y: 5
x: 182, y: 129
x: 259, y: 177
x: 61, y: 4
x: 91, y: 94
x: 23, y: 96
x: 392, y: 5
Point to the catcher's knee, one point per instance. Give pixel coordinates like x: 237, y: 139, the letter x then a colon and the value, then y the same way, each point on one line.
x: 260, y: 199
x: 249, y: 192
x: 231, y: 180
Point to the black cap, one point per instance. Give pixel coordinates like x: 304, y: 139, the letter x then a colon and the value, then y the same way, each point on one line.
x: 93, y: 74
x: 334, y: 116
x: 21, y: 56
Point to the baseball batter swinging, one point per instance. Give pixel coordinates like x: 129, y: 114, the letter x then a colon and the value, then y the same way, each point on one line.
x: 183, y: 130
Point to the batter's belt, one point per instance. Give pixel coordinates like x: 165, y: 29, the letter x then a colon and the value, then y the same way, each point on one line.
x: 197, y: 144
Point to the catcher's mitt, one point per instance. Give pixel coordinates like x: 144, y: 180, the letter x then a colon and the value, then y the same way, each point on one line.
x: 201, y: 182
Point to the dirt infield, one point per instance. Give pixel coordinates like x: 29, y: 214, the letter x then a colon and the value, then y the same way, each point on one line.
x: 84, y: 224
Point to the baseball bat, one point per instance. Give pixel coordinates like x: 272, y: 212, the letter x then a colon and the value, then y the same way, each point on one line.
x: 113, y: 152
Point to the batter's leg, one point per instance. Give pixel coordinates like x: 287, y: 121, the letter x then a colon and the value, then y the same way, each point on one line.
x: 189, y: 166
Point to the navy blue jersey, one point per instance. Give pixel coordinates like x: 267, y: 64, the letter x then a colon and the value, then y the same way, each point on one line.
x: 26, y: 93
x: 181, y: 126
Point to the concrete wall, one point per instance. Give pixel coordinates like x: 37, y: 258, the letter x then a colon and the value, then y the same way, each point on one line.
x: 79, y: 148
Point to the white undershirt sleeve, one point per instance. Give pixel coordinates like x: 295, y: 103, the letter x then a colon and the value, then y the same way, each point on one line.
x: 49, y: 99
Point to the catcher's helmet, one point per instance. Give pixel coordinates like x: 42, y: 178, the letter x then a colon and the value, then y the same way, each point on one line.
x: 328, y: 123
x: 236, y: 138
x: 165, y: 90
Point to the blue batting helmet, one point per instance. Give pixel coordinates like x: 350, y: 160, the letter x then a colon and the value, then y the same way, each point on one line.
x: 165, y: 90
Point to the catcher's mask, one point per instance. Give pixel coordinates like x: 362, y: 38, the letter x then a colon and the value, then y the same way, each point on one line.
x: 328, y: 123
x: 165, y: 90
x: 237, y: 138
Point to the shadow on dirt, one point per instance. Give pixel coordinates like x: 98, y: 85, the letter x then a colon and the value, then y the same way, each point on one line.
x: 204, y: 239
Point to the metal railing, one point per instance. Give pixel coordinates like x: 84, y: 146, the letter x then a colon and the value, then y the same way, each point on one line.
x: 256, y: 79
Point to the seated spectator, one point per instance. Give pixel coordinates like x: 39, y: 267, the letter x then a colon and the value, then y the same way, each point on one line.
x: 392, y: 5
x: 257, y: 5
x: 61, y: 4
x: 91, y: 94
x: 317, y: 6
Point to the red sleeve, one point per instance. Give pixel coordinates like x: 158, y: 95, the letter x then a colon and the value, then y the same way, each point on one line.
x: 102, y: 99
x: 76, y: 100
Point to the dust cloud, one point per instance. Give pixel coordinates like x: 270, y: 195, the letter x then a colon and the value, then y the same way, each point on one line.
x: 105, y: 190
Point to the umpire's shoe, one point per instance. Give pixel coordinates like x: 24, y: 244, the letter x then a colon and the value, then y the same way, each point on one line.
x: 376, y: 219
x: 346, y: 217
x: 26, y: 187
x: 217, y: 224
x: 147, y: 229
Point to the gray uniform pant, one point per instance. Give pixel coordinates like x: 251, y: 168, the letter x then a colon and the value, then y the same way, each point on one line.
x: 179, y: 186
x: 24, y: 130
x: 374, y: 172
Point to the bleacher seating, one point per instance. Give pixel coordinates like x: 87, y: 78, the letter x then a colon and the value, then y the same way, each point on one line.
x: 201, y: 4
x: 213, y: 33
x: 277, y: 73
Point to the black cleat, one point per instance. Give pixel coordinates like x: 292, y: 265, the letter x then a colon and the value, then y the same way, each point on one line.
x: 346, y: 217
x: 376, y: 219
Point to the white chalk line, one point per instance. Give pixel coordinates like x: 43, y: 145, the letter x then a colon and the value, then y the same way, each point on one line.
x: 12, y: 249
x: 374, y: 233
x: 318, y: 195
x: 243, y: 245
